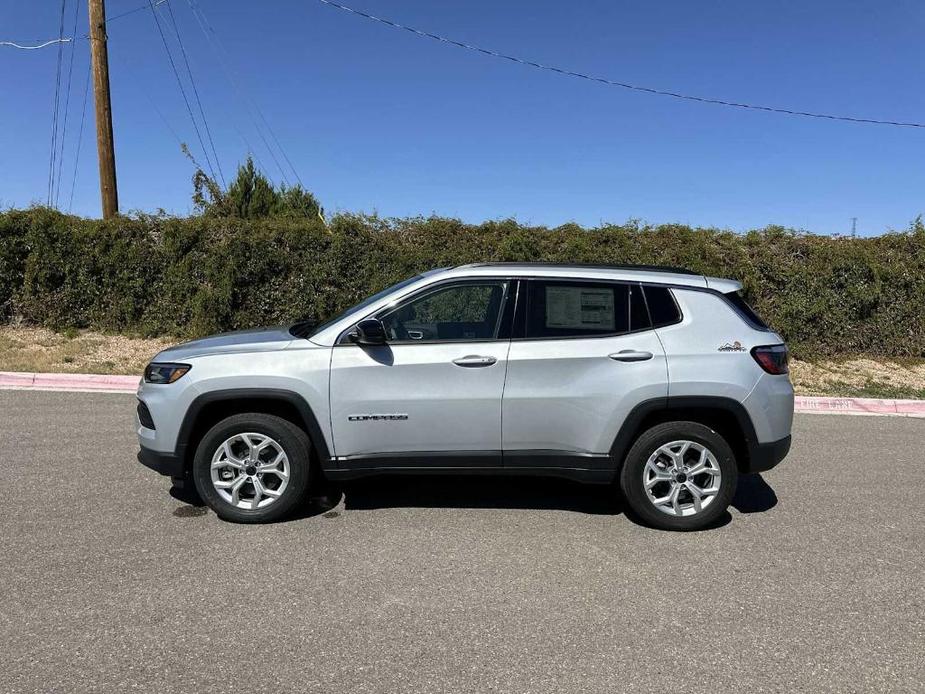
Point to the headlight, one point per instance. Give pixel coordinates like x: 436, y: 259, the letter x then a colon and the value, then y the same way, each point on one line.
x: 165, y: 373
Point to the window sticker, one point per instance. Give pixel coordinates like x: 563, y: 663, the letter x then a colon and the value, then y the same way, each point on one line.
x: 578, y: 307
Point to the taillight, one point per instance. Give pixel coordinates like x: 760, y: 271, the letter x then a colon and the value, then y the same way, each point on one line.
x: 772, y: 358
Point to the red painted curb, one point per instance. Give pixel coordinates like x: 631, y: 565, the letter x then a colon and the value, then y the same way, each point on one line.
x: 15, y: 379
x: 905, y: 408
x: 75, y: 382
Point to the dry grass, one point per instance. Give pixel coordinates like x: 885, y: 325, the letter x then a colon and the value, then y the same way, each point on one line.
x: 41, y: 350
x: 38, y: 349
x: 860, y: 377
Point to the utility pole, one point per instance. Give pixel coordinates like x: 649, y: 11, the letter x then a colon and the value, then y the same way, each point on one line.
x: 104, y: 142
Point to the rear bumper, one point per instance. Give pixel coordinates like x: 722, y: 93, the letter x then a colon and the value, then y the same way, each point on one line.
x: 165, y: 463
x: 764, y: 456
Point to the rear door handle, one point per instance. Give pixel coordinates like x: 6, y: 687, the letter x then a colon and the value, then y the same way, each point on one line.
x: 474, y: 360
x: 630, y: 355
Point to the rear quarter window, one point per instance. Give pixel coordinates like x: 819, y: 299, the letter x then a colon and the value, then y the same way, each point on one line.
x: 746, y: 311
x: 662, y: 307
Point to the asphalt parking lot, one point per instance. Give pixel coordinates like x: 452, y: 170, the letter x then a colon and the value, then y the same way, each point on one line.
x: 814, y: 582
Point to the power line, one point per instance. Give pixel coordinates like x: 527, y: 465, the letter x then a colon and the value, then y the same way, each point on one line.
x: 160, y: 114
x: 176, y: 73
x: 614, y: 83
x: 80, y: 134
x: 154, y: 107
x: 137, y: 9
x: 219, y: 49
x: 13, y: 44
x: 67, y: 104
x: 54, y: 117
x: 189, y: 72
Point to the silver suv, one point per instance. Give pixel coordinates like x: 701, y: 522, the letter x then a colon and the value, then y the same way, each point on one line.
x: 658, y: 379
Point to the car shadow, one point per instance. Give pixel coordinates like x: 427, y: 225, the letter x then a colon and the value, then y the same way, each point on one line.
x: 187, y: 494
x: 480, y: 492
x: 194, y: 506
x: 753, y: 495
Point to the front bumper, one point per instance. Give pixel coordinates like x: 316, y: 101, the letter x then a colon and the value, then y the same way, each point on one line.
x: 764, y: 456
x: 165, y: 463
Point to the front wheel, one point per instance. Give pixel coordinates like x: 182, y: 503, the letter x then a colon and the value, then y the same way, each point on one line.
x: 253, y: 468
x: 679, y: 476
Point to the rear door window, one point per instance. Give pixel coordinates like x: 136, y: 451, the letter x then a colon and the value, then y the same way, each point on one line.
x: 557, y: 309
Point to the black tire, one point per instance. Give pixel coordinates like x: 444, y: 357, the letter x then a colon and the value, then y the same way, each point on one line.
x: 632, y: 480
x: 294, y: 442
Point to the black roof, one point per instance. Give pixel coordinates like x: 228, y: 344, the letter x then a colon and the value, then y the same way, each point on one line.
x: 593, y: 266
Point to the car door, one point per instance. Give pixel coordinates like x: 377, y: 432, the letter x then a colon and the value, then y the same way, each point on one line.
x: 431, y: 396
x: 583, y: 355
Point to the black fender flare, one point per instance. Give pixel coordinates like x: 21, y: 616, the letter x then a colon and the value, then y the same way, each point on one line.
x: 289, y: 397
x: 631, y: 425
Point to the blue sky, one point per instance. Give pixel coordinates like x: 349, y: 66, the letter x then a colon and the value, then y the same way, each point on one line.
x: 377, y: 120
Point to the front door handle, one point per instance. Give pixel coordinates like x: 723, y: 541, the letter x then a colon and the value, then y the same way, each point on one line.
x: 630, y: 355
x: 474, y: 360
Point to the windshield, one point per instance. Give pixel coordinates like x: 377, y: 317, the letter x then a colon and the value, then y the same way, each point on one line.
x: 358, y: 307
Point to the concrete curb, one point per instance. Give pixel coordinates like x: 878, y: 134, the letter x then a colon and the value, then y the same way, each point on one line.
x: 12, y: 380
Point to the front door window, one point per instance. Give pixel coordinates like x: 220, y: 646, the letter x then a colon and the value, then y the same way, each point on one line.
x: 459, y: 312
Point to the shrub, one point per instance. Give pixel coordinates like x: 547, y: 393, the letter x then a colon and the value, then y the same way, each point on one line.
x: 192, y: 276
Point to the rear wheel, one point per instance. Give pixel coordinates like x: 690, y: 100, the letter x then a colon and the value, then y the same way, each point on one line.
x: 253, y: 468
x: 679, y: 476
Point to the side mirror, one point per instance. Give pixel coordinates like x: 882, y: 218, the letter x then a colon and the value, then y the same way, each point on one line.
x: 369, y: 332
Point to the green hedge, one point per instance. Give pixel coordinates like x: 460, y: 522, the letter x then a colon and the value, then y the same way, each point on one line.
x: 193, y: 276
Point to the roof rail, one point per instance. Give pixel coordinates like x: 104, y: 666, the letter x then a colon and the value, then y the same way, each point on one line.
x: 595, y: 266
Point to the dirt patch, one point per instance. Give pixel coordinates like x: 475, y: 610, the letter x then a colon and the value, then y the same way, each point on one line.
x: 860, y: 377
x: 42, y: 350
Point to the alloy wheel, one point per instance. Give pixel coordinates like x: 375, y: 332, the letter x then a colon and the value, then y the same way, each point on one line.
x: 682, y: 478
x: 250, y: 470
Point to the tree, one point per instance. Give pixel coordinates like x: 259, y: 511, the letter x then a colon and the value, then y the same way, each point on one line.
x: 252, y: 195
